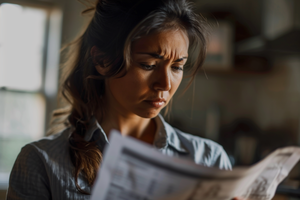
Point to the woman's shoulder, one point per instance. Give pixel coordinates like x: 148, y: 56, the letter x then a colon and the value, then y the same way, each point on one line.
x: 42, y: 167
x: 204, y: 151
x: 47, y: 155
x: 55, y: 141
x: 53, y: 147
x: 198, y: 141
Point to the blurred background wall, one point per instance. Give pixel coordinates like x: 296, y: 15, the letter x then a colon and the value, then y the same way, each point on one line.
x: 246, y: 97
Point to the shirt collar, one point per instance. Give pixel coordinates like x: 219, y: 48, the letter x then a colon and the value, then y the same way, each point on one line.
x: 97, y: 134
x: 165, y: 135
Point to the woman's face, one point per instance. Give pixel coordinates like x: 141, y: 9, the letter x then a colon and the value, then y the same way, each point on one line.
x: 153, y: 77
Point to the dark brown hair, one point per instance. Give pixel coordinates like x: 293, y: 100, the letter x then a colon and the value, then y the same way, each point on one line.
x: 114, y: 26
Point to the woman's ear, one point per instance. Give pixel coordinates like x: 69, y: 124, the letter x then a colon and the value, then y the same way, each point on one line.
x: 95, y: 53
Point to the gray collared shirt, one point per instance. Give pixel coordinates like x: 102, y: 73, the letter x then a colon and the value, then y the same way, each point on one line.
x: 43, y: 169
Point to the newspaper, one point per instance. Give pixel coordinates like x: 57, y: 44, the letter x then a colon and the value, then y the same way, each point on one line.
x: 132, y: 170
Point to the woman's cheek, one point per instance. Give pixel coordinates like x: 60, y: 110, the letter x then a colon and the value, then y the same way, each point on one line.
x: 176, y: 81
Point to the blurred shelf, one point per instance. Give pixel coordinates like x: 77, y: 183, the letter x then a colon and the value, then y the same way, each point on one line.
x: 232, y: 73
x: 289, y: 191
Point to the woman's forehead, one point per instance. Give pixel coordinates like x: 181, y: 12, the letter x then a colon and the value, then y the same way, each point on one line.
x: 171, y: 43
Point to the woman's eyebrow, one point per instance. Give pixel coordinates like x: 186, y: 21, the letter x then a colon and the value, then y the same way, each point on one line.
x: 180, y: 59
x: 155, y: 55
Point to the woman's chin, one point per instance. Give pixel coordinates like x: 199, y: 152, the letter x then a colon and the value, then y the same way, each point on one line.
x: 149, y: 114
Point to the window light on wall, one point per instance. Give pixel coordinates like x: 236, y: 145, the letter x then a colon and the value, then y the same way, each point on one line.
x: 22, y: 103
x: 22, y: 32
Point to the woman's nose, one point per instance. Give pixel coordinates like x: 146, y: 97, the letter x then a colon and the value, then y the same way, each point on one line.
x: 162, y: 80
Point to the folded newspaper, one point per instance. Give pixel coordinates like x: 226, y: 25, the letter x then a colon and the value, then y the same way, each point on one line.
x: 132, y: 170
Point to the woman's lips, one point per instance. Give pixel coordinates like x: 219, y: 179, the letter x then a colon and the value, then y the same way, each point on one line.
x: 156, y: 102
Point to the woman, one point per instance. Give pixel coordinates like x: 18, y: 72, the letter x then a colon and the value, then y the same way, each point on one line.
x: 119, y: 74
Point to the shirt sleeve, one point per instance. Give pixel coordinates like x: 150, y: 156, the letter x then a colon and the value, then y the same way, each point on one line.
x: 28, y: 178
x: 221, y: 160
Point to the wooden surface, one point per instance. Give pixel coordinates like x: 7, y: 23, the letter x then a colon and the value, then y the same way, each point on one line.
x: 2, y: 194
x: 280, y: 197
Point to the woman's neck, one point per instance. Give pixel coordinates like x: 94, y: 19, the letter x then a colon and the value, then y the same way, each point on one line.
x: 134, y: 126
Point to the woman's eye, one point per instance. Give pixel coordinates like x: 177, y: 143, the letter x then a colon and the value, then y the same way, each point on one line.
x: 176, y: 68
x: 147, y: 67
